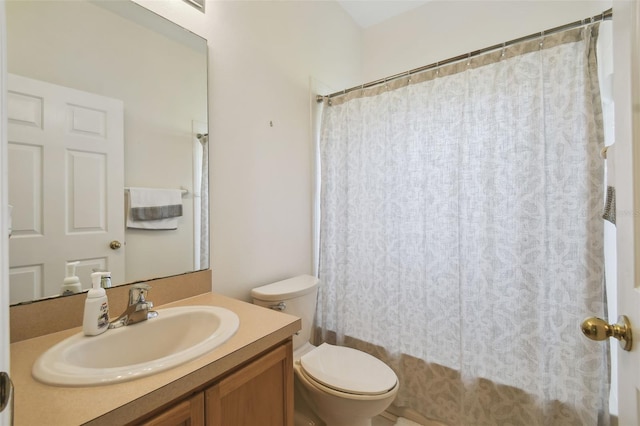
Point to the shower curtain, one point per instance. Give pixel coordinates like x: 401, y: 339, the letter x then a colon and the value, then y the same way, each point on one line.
x: 461, y: 234
x: 204, y: 204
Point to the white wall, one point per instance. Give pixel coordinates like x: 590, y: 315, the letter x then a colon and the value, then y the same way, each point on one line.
x: 444, y: 29
x: 262, y: 56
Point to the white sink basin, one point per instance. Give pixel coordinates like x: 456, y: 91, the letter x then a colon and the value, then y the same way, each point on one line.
x: 175, y: 336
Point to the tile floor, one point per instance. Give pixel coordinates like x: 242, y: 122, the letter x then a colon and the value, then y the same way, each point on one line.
x: 386, y: 421
x: 381, y: 421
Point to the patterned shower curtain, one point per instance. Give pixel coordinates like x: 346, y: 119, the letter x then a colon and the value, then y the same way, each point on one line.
x: 204, y: 204
x: 461, y: 234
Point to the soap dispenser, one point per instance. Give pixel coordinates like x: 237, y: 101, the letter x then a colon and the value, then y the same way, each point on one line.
x: 96, y: 308
x: 71, y: 283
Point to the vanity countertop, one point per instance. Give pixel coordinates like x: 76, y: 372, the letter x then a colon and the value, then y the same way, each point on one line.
x: 39, y: 404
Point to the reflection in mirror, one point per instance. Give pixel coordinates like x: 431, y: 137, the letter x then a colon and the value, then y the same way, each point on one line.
x: 103, y: 96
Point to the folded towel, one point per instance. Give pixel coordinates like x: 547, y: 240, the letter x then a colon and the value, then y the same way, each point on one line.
x: 151, y: 208
x: 609, y: 212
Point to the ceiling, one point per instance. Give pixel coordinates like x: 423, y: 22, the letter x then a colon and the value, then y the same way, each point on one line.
x: 371, y: 12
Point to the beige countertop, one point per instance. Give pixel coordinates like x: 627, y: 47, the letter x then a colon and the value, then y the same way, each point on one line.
x: 40, y: 404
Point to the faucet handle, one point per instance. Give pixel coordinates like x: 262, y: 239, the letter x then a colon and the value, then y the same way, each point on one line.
x: 137, y: 293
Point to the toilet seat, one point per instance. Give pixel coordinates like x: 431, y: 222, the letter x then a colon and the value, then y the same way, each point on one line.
x: 348, y: 370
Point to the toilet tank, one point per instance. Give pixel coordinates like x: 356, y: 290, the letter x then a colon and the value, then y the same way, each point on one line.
x: 295, y: 296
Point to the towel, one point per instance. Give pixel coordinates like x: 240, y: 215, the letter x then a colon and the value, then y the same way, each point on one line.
x: 609, y: 212
x: 151, y: 208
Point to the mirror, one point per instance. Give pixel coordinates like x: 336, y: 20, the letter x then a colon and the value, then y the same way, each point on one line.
x: 103, y: 70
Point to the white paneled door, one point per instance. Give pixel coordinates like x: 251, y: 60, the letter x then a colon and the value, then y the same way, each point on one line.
x: 66, y: 180
x: 6, y: 408
x: 626, y: 16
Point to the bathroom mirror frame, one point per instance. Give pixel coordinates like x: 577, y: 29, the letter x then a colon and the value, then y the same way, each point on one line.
x: 152, y: 106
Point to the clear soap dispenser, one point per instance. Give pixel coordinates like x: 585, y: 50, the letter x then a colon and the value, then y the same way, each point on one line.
x: 71, y: 283
x: 96, y: 308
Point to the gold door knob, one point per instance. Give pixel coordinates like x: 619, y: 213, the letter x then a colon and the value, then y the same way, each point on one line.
x: 115, y: 245
x: 598, y: 329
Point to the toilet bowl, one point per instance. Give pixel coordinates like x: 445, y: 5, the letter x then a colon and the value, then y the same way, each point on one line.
x: 342, y: 386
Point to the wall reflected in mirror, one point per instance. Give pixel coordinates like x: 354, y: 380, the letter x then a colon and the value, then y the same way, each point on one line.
x: 103, y: 96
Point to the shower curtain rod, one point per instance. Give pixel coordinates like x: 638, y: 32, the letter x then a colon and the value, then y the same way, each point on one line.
x: 606, y: 15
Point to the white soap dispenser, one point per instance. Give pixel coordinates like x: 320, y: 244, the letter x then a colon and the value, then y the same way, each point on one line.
x: 71, y: 283
x: 96, y: 308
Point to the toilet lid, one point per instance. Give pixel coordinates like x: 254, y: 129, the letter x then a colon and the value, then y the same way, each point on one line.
x: 348, y: 370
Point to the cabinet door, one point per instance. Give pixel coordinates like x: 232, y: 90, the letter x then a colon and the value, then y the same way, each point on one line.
x: 260, y: 393
x: 189, y: 412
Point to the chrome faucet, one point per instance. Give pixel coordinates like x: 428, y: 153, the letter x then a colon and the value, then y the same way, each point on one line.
x: 139, y: 308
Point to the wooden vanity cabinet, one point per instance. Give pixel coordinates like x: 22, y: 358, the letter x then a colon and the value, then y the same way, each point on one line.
x: 261, y: 393
x: 258, y: 393
x: 189, y: 412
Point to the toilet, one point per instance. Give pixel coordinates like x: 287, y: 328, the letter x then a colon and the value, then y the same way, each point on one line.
x: 341, y: 386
